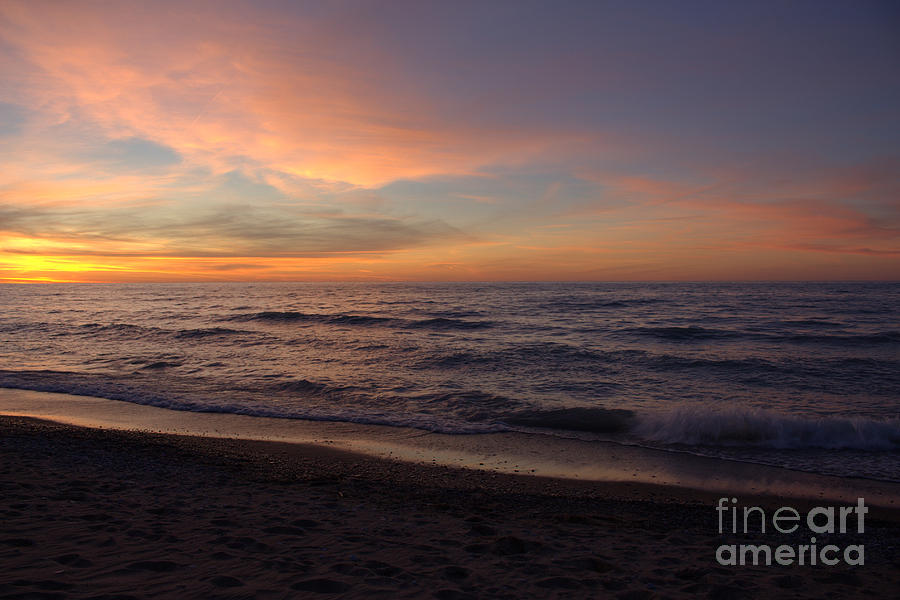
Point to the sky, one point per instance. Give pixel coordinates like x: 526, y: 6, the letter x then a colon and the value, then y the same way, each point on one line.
x: 449, y: 141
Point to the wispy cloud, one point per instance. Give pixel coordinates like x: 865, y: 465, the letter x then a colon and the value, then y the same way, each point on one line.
x: 223, y: 231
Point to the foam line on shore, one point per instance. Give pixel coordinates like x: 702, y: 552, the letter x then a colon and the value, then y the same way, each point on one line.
x: 510, y: 452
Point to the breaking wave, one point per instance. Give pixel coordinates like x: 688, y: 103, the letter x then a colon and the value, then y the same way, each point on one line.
x: 749, y: 427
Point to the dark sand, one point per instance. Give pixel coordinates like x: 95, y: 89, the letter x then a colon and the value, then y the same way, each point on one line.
x: 90, y: 513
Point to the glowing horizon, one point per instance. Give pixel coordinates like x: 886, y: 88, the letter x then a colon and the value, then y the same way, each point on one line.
x: 279, y: 141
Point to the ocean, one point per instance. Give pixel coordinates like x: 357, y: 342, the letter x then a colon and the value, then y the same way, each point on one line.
x: 798, y: 375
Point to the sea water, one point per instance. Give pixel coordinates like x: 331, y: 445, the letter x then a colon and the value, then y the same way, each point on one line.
x: 800, y: 375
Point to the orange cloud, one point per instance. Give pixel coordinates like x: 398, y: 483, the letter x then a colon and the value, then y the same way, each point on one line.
x: 830, y: 212
x: 223, y: 91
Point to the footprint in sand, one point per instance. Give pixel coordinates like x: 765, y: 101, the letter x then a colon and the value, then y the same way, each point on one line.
x: 73, y: 560
x: 157, y: 566
x: 321, y: 586
x: 224, y: 581
x: 455, y: 573
x: 284, y: 530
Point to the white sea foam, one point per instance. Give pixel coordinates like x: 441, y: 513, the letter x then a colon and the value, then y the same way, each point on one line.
x: 754, y: 427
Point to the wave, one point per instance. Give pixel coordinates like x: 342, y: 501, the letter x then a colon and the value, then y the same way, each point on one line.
x: 471, y: 418
x: 750, y: 427
x: 141, y: 331
x: 358, y: 320
x: 294, y: 316
x: 593, y: 420
x: 455, y: 314
x: 732, y: 428
x: 120, y: 328
x: 589, y: 302
x: 307, y: 387
x: 820, y: 368
x: 161, y: 364
x: 468, y: 411
x: 207, y: 332
x: 441, y: 323
x: 671, y: 362
x: 437, y: 323
x: 881, y: 337
x: 691, y: 332
x: 271, y: 315
x: 547, y: 353
x: 814, y: 323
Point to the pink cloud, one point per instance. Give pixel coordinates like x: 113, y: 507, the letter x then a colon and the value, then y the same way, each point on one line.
x: 217, y: 83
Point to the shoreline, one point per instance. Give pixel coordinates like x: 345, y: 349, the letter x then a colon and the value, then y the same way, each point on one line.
x: 508, y: 453
x: 95, y: 511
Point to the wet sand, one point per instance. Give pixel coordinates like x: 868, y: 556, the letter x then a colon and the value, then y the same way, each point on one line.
x: 90, y: 513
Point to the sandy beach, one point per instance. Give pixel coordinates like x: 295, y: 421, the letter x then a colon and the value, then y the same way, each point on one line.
x: 90, y: 513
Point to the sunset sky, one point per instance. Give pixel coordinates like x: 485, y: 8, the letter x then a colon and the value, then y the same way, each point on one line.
x: 393, y: 140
